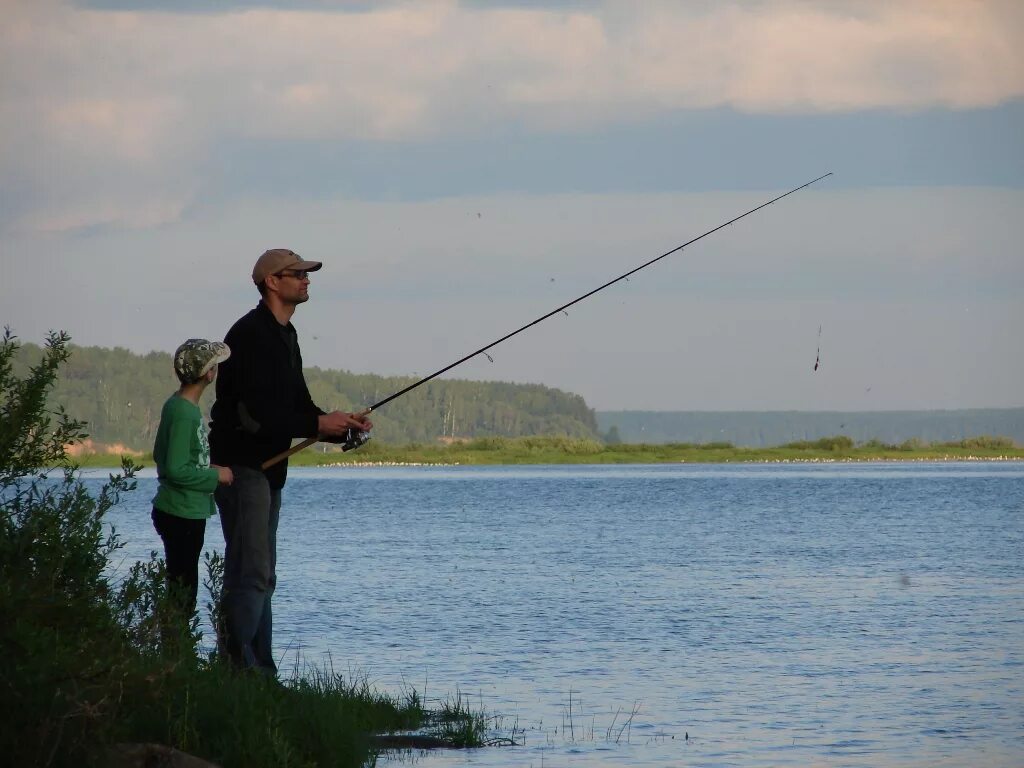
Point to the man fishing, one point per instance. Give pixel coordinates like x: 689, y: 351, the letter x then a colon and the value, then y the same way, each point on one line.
x: 262, y: 403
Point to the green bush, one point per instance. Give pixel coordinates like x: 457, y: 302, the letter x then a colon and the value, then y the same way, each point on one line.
x: 913, y: 444
x: 986, y: 442
x: 66, y: 628
x: 486, y: 444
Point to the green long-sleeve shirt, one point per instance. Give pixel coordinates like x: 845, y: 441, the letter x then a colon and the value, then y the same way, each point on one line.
x: 182, y: 456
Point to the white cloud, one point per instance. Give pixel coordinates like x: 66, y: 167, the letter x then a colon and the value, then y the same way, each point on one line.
x: 127, y: 100
x: 392, y: 72
x: 131, y: 130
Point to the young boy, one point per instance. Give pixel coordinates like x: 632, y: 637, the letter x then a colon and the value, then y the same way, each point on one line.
x: 184, y: 500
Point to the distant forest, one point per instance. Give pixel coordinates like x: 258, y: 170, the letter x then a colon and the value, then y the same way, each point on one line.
x: 757, y: 429
x: 120, y: 394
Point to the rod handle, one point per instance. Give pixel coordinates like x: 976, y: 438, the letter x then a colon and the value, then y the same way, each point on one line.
x: 285, y: 454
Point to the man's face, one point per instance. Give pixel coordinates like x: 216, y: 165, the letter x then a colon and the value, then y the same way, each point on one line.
x: 292, y: 286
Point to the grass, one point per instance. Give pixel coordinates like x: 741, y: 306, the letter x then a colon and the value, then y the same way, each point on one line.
x: 562, y: 450
x: 81, y: 684
x: 316, y: 718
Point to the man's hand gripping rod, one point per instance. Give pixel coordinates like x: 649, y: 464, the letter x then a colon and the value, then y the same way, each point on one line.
x: 355, y: 438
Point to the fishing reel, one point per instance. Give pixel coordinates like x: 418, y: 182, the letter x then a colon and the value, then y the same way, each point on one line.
x: 353, y: 439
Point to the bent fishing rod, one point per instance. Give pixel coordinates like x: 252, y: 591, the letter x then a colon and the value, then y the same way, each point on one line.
x: 356, y: 439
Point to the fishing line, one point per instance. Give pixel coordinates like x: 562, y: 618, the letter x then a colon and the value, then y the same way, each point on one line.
x: 357, y: 439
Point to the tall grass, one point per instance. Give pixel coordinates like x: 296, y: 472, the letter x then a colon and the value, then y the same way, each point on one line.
x: 563, y: 450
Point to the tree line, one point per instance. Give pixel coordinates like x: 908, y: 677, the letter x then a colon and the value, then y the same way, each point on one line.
x: 119, y: 394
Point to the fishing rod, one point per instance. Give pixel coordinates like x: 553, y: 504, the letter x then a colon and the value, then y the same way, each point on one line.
x: 356, y: 438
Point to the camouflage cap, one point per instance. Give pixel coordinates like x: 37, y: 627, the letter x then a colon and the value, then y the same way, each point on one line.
x: 197, y: 356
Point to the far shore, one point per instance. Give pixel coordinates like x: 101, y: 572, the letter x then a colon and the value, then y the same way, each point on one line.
x: 527, y: 451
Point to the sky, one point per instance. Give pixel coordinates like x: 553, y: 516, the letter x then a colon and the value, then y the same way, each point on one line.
x: 463, y: 168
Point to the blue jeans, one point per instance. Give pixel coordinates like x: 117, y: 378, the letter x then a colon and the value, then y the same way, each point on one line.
x: 249, y: 513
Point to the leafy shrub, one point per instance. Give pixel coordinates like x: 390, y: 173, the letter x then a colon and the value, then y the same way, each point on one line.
x: 612, y: 436
x: 487, y: 444
x: 913, y: 444
x: 66, y: 627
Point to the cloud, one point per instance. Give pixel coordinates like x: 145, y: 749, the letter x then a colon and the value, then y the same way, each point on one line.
x: 126, y: 101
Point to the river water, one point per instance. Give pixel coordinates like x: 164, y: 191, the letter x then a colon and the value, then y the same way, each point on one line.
x: 683, y: 615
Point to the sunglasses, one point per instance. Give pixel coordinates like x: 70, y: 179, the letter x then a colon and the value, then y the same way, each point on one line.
x: 298, y: 274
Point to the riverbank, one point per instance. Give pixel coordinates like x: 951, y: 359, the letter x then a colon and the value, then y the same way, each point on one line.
x: 557, y: 450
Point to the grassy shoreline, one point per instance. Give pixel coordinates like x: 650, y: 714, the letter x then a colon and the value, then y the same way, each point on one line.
x: 104, y: 664
x: 556, y: 450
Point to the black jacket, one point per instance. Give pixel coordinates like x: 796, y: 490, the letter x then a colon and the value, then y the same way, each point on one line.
x: 262, y: 398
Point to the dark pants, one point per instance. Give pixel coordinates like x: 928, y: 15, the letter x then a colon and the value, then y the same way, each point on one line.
x: 183, y: 543
x: 249, y: 512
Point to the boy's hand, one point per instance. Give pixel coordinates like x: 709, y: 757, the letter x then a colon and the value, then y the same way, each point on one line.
x: 224, y: 475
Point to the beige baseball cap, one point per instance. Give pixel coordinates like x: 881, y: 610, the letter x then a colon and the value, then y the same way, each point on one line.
x: 276, y: 259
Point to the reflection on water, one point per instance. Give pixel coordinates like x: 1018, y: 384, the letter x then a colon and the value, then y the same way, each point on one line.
x: 756, y: 615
